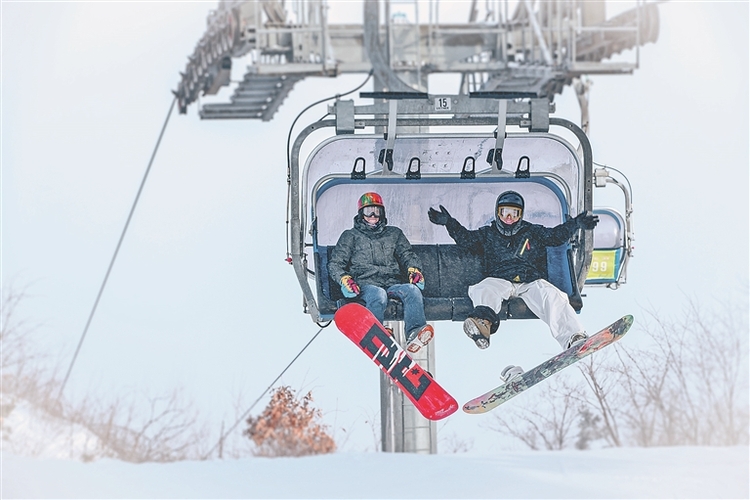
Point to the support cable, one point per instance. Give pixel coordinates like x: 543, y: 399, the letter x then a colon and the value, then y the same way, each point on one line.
x: 247, y: 412
x: 117, y: 249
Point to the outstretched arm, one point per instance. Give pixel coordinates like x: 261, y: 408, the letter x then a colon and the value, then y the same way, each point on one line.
x: 560, y: 234
x: 462, y: 236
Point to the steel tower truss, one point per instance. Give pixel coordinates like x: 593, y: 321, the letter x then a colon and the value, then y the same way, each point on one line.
x: 518, y: 46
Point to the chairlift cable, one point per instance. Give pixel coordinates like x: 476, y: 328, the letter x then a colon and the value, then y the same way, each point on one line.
x: 247, y: 412
x: 117, y: 249
x: 289, y: 158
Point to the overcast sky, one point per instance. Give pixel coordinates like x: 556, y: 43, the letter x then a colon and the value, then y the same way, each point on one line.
x: 201, y: 298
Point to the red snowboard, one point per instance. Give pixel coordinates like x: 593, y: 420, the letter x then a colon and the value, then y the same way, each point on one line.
x: 358, y: 323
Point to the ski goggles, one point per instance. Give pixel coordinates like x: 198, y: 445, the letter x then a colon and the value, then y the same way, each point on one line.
x: 371, y: 212
x: 513, y: 212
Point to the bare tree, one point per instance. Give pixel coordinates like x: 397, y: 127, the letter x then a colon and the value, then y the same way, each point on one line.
x: 23, y: 375
x: 686, y: 387
x: 545, y: 422
x: 373, y: 421
x: 163, y: 428
x: 234, y: 444
x: 589, y: 429
x: 14, y: 333
x: 601, y: 381
x: 20, y: 358
x: 452, y: 442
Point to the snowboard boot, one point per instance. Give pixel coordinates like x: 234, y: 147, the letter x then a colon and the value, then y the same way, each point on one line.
x: 478, y: 330
x: 511, y: 372
x: 576, y: 339
x: 419, y: 338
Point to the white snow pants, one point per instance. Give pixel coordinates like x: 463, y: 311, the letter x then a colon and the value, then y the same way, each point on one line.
x: 544, y: 299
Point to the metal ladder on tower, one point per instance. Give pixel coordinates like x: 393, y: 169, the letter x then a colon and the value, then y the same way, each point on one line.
x: 256, y: 96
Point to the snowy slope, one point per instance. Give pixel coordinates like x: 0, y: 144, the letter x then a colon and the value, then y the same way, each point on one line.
x: 679, y: 472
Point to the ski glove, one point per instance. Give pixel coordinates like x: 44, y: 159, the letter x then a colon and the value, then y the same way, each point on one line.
x: 440, y: 218
x: 586, y: 221
x: 349, y: 287
x: 416, y: 277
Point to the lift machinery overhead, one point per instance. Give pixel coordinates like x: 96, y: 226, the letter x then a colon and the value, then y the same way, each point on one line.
x: 516, y: 46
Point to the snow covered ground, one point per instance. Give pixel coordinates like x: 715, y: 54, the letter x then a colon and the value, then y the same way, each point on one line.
x: 678, y: 472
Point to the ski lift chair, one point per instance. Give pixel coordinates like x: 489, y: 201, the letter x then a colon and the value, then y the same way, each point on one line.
x: 448, y: 269
x: 610, y: 249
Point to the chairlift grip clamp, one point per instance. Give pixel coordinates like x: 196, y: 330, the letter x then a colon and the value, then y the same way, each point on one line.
x: 500, y: 134
x: 600, y: 177
x: 386, y: 156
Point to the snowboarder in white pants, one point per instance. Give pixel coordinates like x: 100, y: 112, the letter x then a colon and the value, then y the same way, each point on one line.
x: 514, y: 257
x: 544, y: 299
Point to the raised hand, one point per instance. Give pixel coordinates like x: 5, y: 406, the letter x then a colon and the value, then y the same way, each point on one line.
x: 440, y: 218
x: 585, y: 220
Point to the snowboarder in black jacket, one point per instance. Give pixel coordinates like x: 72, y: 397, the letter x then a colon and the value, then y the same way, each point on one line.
x: 514, y: 260
x: 367, y: 262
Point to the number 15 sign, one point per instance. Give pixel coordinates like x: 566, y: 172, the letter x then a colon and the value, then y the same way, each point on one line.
x: 442, y: 104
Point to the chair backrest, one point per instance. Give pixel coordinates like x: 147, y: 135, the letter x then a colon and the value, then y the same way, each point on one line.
x: 472, y: 202
x: 609, y: 248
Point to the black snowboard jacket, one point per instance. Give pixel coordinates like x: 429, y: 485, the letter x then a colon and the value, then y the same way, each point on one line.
x: 380, y: 256
x: 520, y: 258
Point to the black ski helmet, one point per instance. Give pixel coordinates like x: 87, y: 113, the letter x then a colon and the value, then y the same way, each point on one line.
x: 509, y: 199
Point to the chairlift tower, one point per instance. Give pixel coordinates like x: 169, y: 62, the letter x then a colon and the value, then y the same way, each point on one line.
x: 513, y: 58
x: 514, y: 46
